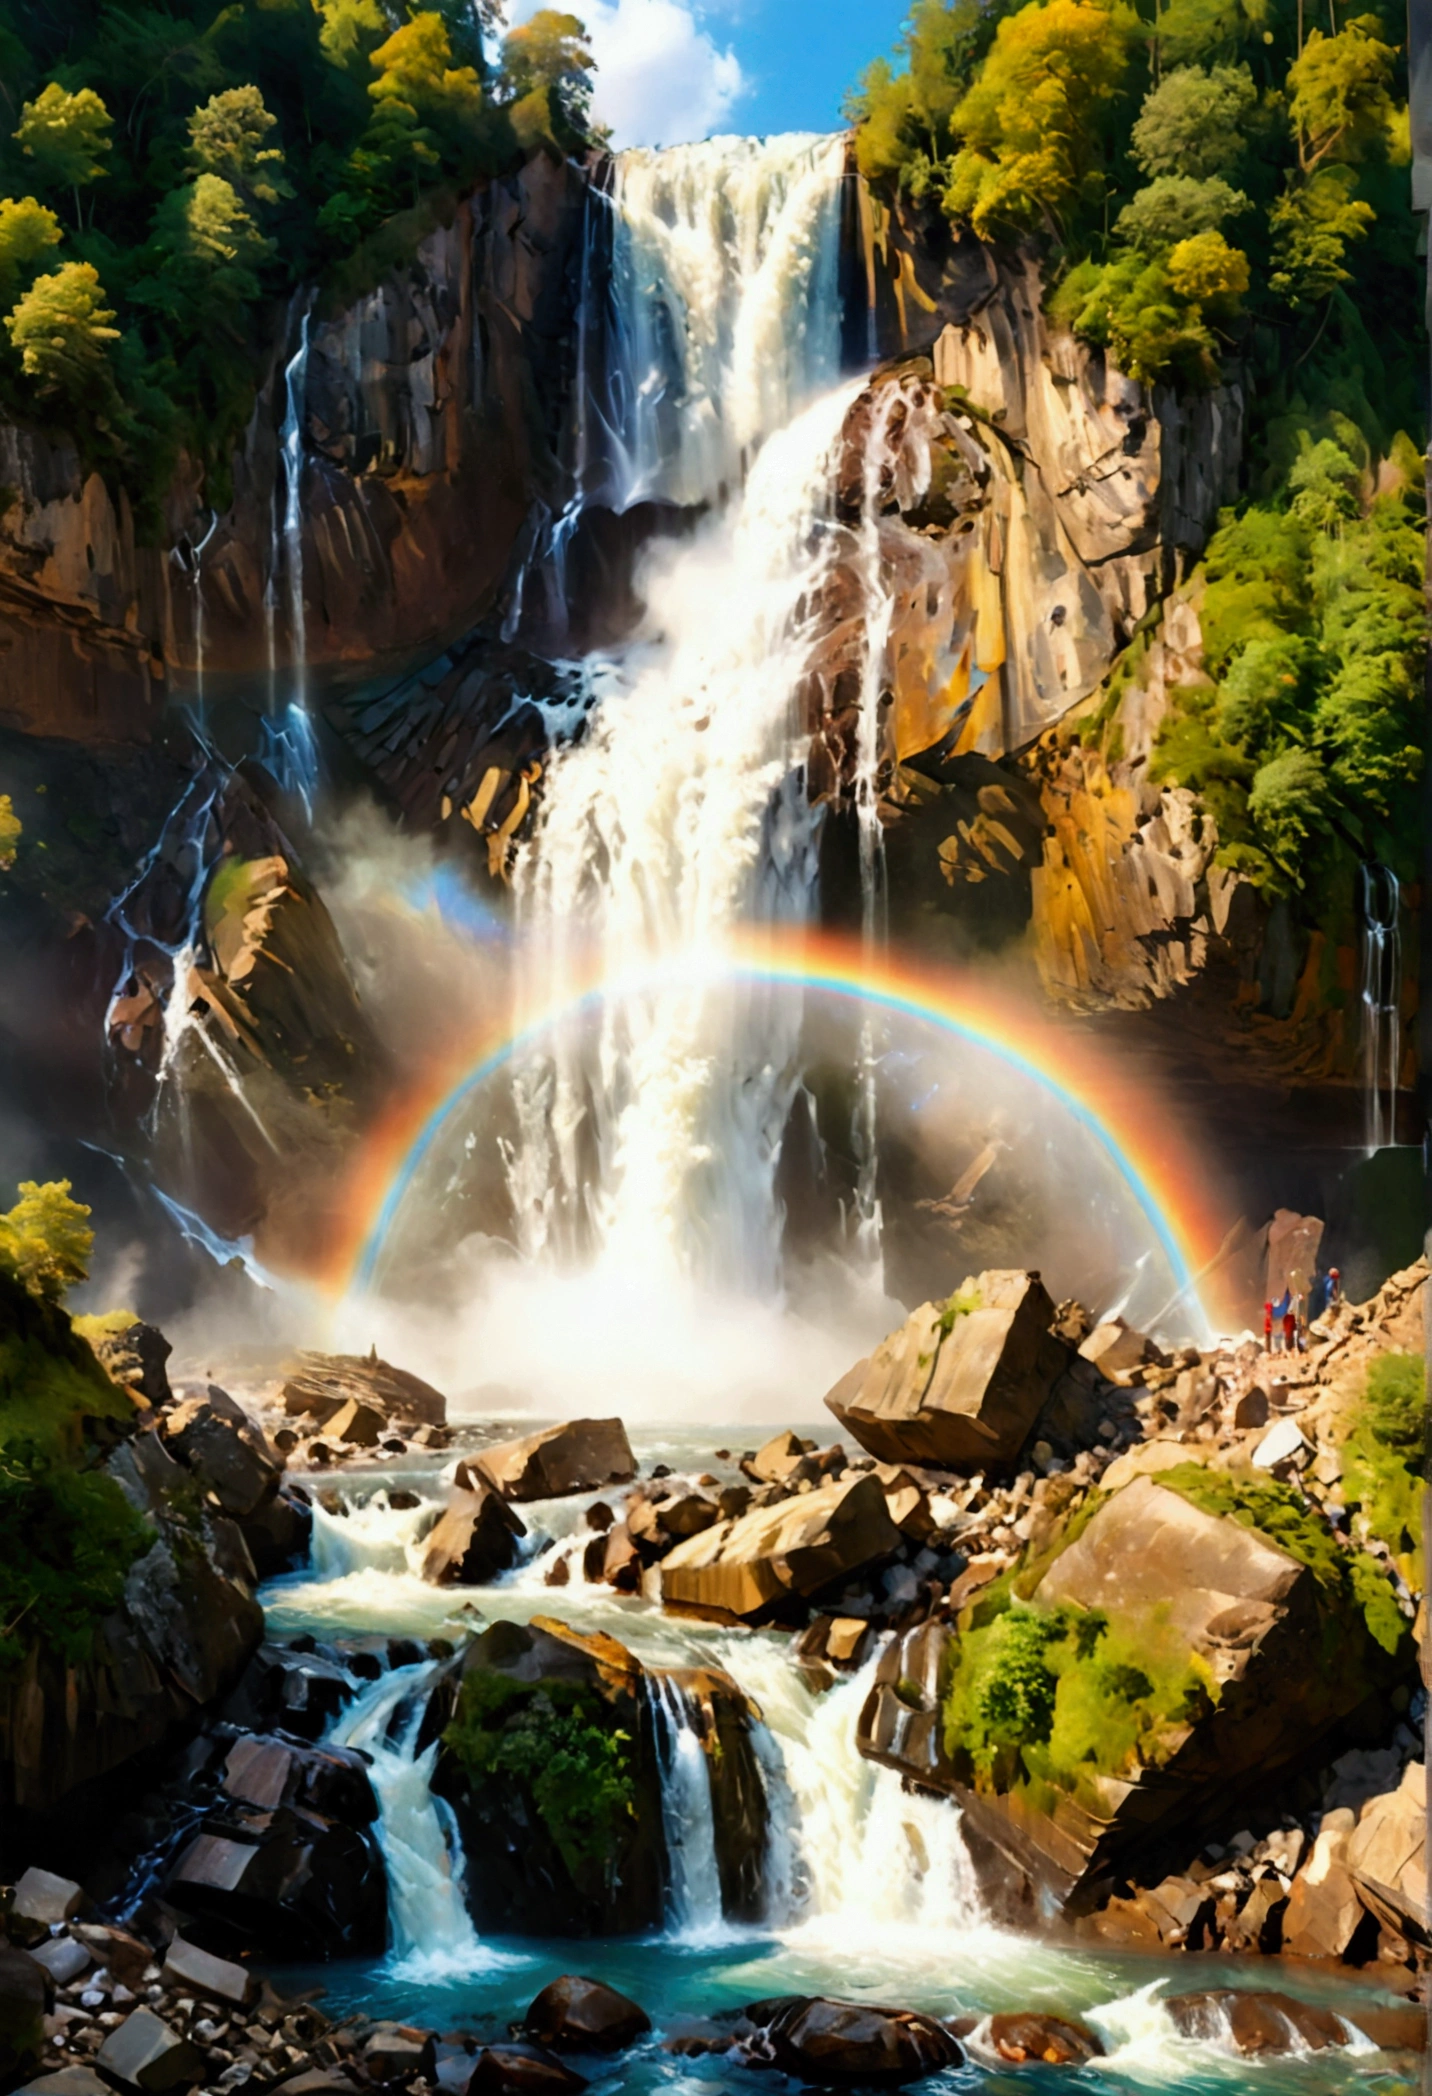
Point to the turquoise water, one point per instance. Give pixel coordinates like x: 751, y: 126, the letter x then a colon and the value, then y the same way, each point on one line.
x: 887, y: 1910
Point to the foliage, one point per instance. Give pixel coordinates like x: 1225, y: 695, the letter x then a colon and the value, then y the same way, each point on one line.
x: 227, y: 138
x: 1385, y: 1453
x: 45, y: 1239
x: 557, y: 1740
x: 61, y: 328
x: 67, y: 136
x: 11, y: 831
x: 67, y: 1540
x: 549, y: 67
x: 1055, y: 1696
x: 1176, y: 207
x: 1194, y: 123
x: 28, y: 230
x: 902, y: 118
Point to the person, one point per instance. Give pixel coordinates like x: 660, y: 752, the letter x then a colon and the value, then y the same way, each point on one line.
x: 1281, y: 1311
x: 1318, y: 1296
x: 1334, y: 1288
x: 1290, y: 1323
x: 1267, y: 1328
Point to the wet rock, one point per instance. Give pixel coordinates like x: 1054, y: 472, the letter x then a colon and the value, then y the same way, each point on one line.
x: 515, y: 2069
x: 41, y: 1896
x: 63, y: 1957
x: 1387, y: 1855
x: 1324, y: 1910
x: 580, y: 2015
x: 778, y: 1460
x: 292, y: 1691
x: 288, y: 1879
x: 1255, y: 2022
x: 278, y: 1534
x: 960, y: 1384
x: 68, y: 2081
x: 689, y: 1514
x: 144, y: 2052
x: 842, y: 1641
x: 568, y: 1862
x: 1258, y: 1924
x: 135, y: 1357
x: 331, y: 1781
x: 1399, y: 2029
x: 722, y: 1717
x: 228, y: 1465
x: 1031, y: 2036
x: 24, y: 1992
x: 476, y: 1538
x: 742, y: 1569
x: 395, y: 2052
x: 124, y: 1957
x: 189, y: 1970
x: 580, y: 1456
x: 834, y: 2043
x: 616, y: 1558
x: 355, y: 1424
x: 323, y: 1384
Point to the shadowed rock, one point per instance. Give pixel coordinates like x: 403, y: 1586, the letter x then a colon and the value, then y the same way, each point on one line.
x: 849, y: 2043
x: 579, y: 1456
x: 580, y: 2015
x: 476, y: 1538
x: 1256, y: 2022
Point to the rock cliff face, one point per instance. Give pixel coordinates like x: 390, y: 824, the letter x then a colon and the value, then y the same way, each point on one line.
x: 431, y: 419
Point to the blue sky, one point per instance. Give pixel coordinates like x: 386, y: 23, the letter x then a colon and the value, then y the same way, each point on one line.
x: 673, y: 70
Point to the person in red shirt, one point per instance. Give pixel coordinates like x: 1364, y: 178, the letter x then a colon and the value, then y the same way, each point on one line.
x: 1290, y: 1328
x: 1267, y: 1328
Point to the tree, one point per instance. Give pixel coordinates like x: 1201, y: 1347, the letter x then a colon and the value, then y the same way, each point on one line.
x: 45, y: 1239
x: 1265, y: 698
x: 415, y: 69
x: 1195, y: 123
x: 547, y: 68
x: 1206, y: 271
x: 903, y: 117
x: 27, y: 232
x: 1313, y: 226
x: 11, y: 831
x: 61, y: 328
x: 1288, y: 806
x: 1175, y: 207
x: 208, y: 252
x: 1339, y: 103
x: 67, y: 136
x: 226, y: 138
x: 1033, y: 122
x: 352, y: 30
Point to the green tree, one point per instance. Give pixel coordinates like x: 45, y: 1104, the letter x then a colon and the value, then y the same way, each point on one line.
x: 45, y: 1239
x: 547, y: 70
x: 1313, y: 226
x: 1288, y: 807
x: 227, y: 138
x: 61, y: 328
x: 352, y: 30
x: 1175, y: 207
x: 1034, y: 121
x: 11, y: 831
x: 1205, y: 272
x: 902, y: 116
x: 1266, y: 697
x: 1195, y: 122
x: 27, y: 232
x: 1339, y: 103
x: 208, y: 253
x: 67, y: 136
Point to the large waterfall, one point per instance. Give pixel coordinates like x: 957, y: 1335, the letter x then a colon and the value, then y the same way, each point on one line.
x: 652, y: 1141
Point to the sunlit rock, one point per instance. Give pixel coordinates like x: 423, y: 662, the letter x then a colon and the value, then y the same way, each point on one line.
x: 579, y: 1456
x: 745, y: 1568
x: 475, y: 1538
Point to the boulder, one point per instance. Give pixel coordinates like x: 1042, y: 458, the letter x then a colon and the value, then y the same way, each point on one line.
x: 475, y: 1538
x: 226, y: 1463
x: 332, y: 1781
x: 582, y: 1859
x: 63, y: 1957
x: 1284, y: 1443
x: 1160, y: 1566
x: 1256, y: 2022
x: 144, y: 2052
x: 777, y: 1461
x: 189, y: 1970
x: 278, y: 1534
x: 961, y: 1383
x: 1035, y: 2035
x: 1324, y: 1910
x: 123, y: 1956
x: 68, y: 2081
x: 687, y: 1514
x: 41, y: 1896
x: 839, y: 2043
x: 135, y: 1356
x: 1387, y: 1856
x: 580, y: 2015
x: 322, y: 1384
x: 515, y: 2069
x: 356, y: 1424
x: 24, y: 1992
x: 1115, y: 1349
x: 746, y: 1568
x: 1402, y: 2028
x: 396, y: 2052
x: 285, y: 1689
x: 579, y: 1456
x: 288, y: 1880
x: 722, y: 1717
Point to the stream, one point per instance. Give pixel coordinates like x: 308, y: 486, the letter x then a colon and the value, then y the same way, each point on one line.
x: 872, y: 1894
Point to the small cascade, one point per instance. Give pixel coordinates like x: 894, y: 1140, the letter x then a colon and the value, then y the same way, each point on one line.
x: 370, y: 1535
x: 432, y: 1933
x: 289, y: 749
x: 693, y: 1895
x: 1380, y: 898
x: 856, y: 1850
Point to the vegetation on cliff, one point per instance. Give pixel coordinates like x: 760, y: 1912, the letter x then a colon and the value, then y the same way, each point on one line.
x: 1385, y: 1457
x: 170, y: 175
x: 68, y: 1535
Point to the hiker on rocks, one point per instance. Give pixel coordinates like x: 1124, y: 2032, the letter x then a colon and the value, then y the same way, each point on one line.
x: 1290, y: 1325
x: 1267, y: 1328
x: 1282, y: 1315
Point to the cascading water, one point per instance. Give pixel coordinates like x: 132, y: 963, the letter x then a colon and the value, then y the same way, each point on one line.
x: 1380, y: 898
x: 433, y: 1935
x: 288, y: 747
x: 694, y: 1880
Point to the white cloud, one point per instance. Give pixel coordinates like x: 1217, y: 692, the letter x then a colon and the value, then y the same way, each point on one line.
x: 661, y: 80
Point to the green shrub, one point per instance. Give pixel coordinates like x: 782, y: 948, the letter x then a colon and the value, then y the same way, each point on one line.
x: 1384, y: 1455
x: 557, y: 1739
x: 67, y: 1540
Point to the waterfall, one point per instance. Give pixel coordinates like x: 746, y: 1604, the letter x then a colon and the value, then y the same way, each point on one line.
x: 693, y: 1894
x: 1380, y: 898
x: 857, y: 1851
x: 725, y: 270
x: 288, y: 747
x: 371, y: 1536
x: 432, y: 1931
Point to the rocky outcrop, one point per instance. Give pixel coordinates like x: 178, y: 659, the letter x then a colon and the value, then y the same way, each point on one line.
x: 322, y: 1384
x: 747, y: 1569
x: 475, y: 1539
x: 961, y: 1383
x: 722, y: 1718
x: 846, y: 2043
x: 579, y: 2015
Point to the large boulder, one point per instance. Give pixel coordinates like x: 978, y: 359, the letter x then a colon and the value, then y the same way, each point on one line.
x: 748, y: 1568
x: 1209, y: 1651
x: 548, y: 1759
x: 848, y: 2043
x: 296, y: 1691
x: 961, y: 1383
x: 572, y: 2014
x: 581, y: 1455
x: 475, y: 1538
x: 1387, y: 1856
x: 322, y: 1384
x: 230, y: 1463
x: 133, y: 1352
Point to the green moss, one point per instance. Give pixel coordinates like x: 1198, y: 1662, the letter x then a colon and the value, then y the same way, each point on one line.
x: 558, y: 1741
x: 1384, y: 1455
x: 956, y: 1307
x: 106, y: 1325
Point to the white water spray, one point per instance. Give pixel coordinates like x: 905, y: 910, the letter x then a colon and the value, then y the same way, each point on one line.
x: 1381, y: 899
x: 688, y: 1822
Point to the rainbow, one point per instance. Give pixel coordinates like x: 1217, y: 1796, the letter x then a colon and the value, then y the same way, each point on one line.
x: 1126, y: 1117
